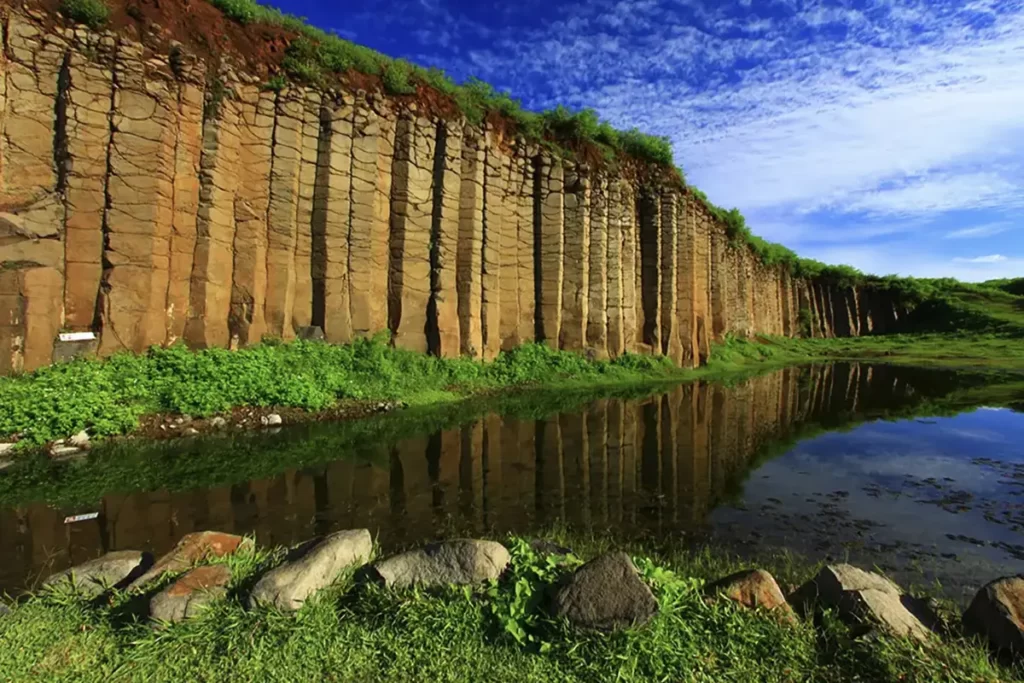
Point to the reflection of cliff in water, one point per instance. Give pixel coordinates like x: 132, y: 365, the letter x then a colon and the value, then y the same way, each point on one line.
x: 655, y: 465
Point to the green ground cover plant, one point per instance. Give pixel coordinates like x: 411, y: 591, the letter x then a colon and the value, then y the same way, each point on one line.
x: 498, y: 631
x: 92, y: 13
x: 109, y: 396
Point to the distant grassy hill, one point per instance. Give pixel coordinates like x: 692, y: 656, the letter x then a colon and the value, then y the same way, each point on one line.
x: 947, y: 305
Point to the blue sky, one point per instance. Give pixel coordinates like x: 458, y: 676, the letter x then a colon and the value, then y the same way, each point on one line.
x: 885, y: 134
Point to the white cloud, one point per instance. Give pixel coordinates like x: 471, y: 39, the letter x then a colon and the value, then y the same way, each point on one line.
x: 992, y: 258
x: 986, y: 230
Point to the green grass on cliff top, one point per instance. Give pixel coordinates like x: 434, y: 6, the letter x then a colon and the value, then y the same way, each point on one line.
x: 499, y: 631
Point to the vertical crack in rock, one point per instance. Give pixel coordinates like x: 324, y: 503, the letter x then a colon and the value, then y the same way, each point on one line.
x: 61, y: 155
x: 650, y: 270
x: 437, y: 212
x: 321, y: 196
x: 537, y: 167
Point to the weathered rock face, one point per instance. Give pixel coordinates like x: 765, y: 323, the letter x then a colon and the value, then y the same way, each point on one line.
x: 315, y: 567
x: 461, y: 561
x: 860, y: 597
x: 142, y: 205
x: 997, y: 614
x: 113, y: 570
x: 187, y: 596
x: 606, y: 594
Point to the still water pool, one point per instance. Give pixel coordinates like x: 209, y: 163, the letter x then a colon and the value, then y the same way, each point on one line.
x: 920, y: 472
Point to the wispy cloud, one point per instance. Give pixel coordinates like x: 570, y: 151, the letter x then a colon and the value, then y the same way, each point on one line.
x: 991, y: 258
x: 987, y: 230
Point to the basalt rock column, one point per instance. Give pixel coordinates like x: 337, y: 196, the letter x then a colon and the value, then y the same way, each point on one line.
x: 597, y: 306
x: 187, y: 159
x: 302, y: 306
x: 373, y: 142
x: 630, y: 274
x: 686, y: 276
x: 411, y: 219
x: 255, y: 156
x: 575, y: 291
x: 504, y: 212
x: 703, y: 310
x: 721, y: 298
x: 88, y: 97
x: 31, y: 210
x: 496, y: 164
x: 616, y: 288
x: 332, y: 213
x: 140, y: 208
x: 523, y: 176
x: 212, y: 263
x: 550, y: 198
x: 283, y: 212
x: 445, y: 242
x: 470, y: 250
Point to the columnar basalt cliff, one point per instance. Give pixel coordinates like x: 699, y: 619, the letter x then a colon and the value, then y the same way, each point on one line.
x: 146, y: 200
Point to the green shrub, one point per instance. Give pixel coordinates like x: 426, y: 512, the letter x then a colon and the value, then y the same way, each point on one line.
x: 92, y: 13
x: 397, y: 78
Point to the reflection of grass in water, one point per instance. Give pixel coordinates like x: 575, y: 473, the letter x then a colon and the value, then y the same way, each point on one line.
x: 205, y: 462
x: 497, y: 632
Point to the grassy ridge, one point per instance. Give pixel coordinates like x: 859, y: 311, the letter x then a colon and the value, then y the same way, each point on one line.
x: 495, y: 632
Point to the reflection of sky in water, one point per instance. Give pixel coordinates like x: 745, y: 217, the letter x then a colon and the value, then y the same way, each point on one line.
x: 890, y: 456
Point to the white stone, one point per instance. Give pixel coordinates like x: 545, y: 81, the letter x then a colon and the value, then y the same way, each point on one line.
x: 272, y: 420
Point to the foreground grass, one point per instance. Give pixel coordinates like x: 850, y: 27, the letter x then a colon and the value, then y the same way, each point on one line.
x: 498, y: 632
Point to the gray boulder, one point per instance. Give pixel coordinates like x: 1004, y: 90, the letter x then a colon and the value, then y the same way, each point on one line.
x: 997, y: 614
x: 607, y: 594
x: 861, y: 598
x: 113, y: 570
x: 315, y: 566
x: 461, y: 561
x: 4, y: 610
x: 191, y: 593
